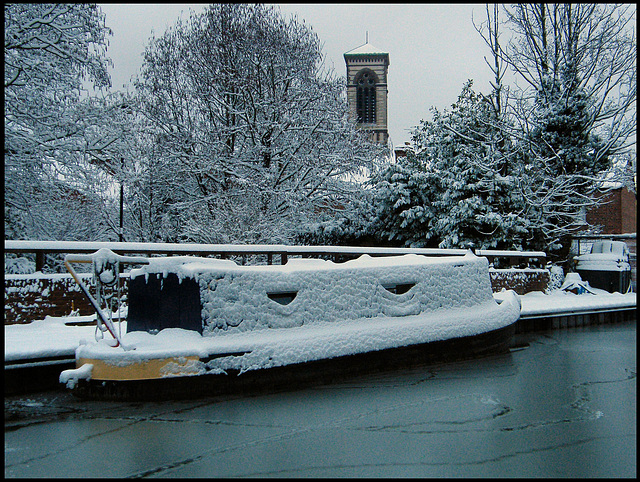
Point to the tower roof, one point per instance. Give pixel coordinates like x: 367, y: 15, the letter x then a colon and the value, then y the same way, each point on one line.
x: 366, y: 49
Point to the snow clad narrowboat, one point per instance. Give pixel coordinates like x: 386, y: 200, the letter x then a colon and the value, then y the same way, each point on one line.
x: 606, y: 266
x: 263, y: 327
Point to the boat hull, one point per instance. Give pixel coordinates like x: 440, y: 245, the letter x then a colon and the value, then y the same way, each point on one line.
x: 298, y: 375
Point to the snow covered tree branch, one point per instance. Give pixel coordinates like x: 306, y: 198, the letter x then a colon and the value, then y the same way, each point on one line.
x: 577, y: 117
x: 49, y: 50
x: 255, y: 131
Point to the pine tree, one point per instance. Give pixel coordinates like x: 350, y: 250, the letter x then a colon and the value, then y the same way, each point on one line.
x: 404, y: 203
x: 458, y: 191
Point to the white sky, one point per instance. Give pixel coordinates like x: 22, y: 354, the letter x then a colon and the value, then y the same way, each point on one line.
x: 433, y: 48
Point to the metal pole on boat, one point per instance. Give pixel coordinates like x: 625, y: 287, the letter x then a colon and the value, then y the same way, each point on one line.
x: 85, y: 290
x: 79, y: 258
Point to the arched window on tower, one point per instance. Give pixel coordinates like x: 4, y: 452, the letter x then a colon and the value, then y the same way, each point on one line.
x: 366, y: 97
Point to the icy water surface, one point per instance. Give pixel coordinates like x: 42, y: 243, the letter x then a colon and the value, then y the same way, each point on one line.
x: 565, y: 406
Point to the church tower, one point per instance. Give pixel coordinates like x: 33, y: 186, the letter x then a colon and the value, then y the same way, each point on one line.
x: 367, y: 68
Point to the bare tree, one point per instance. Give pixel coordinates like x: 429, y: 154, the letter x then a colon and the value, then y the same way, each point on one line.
x: 254, y: 129
x: 49, y: 49
x: 586, y: 48
x: 575, y: 117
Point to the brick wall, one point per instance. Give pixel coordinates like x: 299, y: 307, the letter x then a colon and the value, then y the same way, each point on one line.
x: 29, y: 297
x: 32, y: 297
x: 520, y: 280
x: 629, y: 208
x: 618, y: 213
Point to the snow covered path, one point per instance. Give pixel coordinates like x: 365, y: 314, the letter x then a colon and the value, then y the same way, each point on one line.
x: 538, y: 303
x: 55, y: 337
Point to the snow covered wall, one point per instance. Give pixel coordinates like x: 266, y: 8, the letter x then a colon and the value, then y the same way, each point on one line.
x: 30, y: 297
x: 522, y: 280
x: 306, y: 291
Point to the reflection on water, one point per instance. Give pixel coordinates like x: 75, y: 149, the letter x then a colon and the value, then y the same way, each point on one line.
x: 561, y: 404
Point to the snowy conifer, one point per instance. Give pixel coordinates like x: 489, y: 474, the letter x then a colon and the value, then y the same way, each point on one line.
x: 459, y: 190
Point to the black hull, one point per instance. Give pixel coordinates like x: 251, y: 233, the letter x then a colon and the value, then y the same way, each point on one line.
x: 42, y: 377
x: 302, y: 374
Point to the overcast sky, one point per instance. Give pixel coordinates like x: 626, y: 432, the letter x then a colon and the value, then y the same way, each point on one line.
x: 433, y: 48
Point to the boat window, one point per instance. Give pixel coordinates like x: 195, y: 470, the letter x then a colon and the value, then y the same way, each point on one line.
x: 283, y: 298
x: 399, y: 289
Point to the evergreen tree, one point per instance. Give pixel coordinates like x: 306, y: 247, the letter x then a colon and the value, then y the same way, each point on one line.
x: 575, y: 115
x: 458, y: 191
x: 405, y: 193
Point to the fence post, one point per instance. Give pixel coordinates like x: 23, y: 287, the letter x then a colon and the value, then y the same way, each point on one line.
x: 39, y: 260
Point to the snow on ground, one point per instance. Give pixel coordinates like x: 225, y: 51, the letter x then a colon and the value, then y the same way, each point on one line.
x: 558, y: 301
x: 54, y: 337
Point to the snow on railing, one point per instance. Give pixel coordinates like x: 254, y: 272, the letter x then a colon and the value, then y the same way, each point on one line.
x: 40, y: 248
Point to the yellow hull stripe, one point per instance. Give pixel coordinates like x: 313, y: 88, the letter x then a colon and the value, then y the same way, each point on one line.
x: 144, y: 369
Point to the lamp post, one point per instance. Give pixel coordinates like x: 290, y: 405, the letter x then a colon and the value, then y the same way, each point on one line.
x: 121, y: 230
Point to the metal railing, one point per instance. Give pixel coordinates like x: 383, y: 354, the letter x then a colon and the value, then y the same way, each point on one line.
x: 106, y: 275
x: 337, y: 253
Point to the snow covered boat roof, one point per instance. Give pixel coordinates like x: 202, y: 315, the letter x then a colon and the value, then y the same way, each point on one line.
x: 192, y: 265
x: 304, y: 291
x: 605, y: 256
x: 260, y: 317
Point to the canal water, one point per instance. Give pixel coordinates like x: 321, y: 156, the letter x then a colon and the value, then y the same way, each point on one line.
x: 561, y: 405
